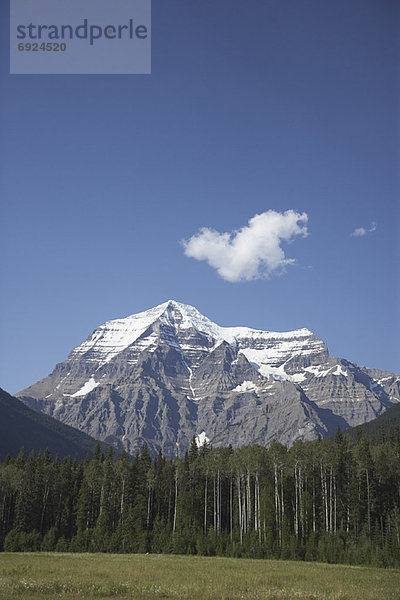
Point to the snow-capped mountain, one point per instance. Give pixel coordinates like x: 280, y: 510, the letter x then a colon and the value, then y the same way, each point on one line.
x: 167, y: 374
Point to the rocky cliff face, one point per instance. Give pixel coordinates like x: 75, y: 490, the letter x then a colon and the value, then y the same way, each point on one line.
x: 169, y: 373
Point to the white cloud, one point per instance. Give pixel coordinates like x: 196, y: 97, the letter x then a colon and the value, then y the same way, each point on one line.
x: 253, y: 252
x: 360, y: 231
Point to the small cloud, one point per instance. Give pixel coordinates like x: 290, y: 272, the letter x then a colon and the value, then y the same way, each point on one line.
x: 252, y: 252
x: 360, y: 231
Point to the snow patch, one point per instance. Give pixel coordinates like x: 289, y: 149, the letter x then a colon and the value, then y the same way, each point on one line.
x: 339, y: 371
x: 62, y: 380
x: 318, y: 371
x: 246, y: 386
x: 385, y: 379
x: 270, y: 356
x: 201, y: 439
x: 298, y: 377
x: 86, y: 388
x: 190, y: 379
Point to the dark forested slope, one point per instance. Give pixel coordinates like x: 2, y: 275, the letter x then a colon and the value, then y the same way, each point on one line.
x: 382, y: 424
x: 21, y: 426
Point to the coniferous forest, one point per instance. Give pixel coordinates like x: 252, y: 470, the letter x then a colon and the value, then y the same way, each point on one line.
x: 336, y: 500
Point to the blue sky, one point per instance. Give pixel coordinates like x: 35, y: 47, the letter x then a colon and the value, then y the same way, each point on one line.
x: 251, y: 106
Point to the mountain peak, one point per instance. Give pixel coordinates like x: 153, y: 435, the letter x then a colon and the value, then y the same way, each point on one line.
x: 175, y: 304
x: 114, y: 337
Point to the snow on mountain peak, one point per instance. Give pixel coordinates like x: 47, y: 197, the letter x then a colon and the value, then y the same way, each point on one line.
x: 114, y: 336
x: 191, y: 317
x: 265, y: 349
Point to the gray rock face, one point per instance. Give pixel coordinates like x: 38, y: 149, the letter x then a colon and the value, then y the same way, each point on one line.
x: 169, y: 373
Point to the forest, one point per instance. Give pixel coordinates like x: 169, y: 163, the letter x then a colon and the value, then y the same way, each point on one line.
x: 335, y: 501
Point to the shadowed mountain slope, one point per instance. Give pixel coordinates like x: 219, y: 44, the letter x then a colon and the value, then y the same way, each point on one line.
x: 21, y: 426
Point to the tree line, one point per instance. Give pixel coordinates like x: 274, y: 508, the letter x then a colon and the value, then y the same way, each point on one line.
x: 335, y: 500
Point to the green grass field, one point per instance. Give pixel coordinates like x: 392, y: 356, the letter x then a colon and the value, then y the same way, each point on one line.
x: 46, y: 576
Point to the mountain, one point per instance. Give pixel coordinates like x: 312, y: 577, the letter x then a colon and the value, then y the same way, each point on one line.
x: 21, y: 426
x: 167, y: 374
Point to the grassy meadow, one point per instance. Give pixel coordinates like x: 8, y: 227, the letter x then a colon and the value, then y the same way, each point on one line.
x: 48, y: 576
